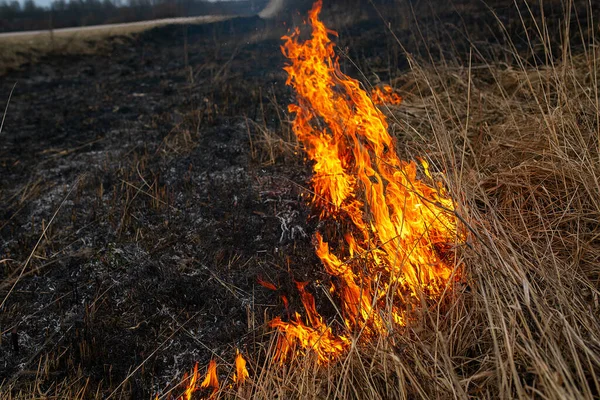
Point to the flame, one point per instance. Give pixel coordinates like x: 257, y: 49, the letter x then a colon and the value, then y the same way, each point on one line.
x: 211, y: 379
x: 397, y: 226
x: 266, y: 284
x: 286, y: 304
x: 314, y: 335
x: 191, y: 387
x: 241, y: 373
x: 385, y: 95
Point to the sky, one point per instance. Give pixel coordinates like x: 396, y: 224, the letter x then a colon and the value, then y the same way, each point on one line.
x: 41, y: 3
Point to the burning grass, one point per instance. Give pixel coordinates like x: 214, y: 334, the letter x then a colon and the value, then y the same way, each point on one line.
x: 394, y: 225
x: 517, y: 149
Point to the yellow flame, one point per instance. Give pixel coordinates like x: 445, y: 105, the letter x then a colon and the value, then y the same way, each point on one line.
x: 191, y: 386
x: 241, y: 373
x: 211, y: 379
x: 396, y: 225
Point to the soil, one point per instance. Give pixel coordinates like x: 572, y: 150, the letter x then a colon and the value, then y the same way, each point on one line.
x: 140, y: 203
x: 163, y: 219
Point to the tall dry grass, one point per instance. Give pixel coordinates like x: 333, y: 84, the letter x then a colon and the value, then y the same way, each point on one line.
x: 518, y: 147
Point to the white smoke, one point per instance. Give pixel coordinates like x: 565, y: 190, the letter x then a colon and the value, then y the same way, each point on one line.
x: 272, y: 9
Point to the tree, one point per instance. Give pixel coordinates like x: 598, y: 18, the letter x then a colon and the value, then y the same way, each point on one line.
x: 29, y: 7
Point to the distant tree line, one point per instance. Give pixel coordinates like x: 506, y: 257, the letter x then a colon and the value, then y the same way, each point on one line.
x: 71, y: 13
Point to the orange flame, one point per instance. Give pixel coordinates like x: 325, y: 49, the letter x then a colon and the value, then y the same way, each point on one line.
x: 211, y: 379
x: 315, y: 335
x: 266, y: 284
x: 286, y: 303
x: 191, y: 387
x: 385, y: 95
x: 397, y: 225
x: 241, y: 373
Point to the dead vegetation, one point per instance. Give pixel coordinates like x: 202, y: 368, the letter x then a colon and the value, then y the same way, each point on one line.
x: 517, y: 144
x: 519, y: 148
x: 23, y: 50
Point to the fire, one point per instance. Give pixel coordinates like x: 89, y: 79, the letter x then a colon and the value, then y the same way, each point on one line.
x: 314, y: 335
x: 385, y: 95
x: 191, y: 387
x: 397, y: 226
x: 266, y: 284
x: 241, y: 373
x: 211, y: 379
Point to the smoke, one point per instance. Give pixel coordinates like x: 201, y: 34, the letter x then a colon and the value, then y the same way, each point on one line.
x: 272, y: 9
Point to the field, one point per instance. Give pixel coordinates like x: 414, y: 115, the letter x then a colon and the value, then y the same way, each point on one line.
x: 149, y: 182
x: 22, y: 48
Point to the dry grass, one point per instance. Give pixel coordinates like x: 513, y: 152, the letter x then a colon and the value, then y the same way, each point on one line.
x: 20, y: 50
x: 519, y: 150
x: 268, y: 144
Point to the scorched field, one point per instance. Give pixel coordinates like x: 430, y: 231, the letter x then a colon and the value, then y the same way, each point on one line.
x: 362, y: 200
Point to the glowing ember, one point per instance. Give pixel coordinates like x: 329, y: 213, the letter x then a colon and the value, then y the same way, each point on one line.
x: 266, y: 284
x: 396, y: 226
x: 241, y: 373
x: 385, y: 95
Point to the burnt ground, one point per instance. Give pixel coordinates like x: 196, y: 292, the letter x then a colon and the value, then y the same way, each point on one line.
x: 143, y: 191
x: 164, y: 219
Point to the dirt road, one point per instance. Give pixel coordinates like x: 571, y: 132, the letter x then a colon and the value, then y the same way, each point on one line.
x: 131, y: 26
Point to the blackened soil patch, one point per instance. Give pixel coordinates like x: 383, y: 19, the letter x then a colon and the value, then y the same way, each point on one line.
x: 164, y: 219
